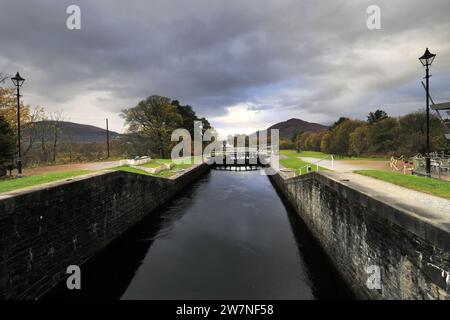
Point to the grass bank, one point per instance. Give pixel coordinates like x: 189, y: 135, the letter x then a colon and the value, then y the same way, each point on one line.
x: 432, y: 186
x: 317, y: 154
x: 154, y: 163
x: 291, y: 161
x: 10, y: 184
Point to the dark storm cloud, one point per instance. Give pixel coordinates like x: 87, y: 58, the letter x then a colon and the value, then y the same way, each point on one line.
x: 274, y: 55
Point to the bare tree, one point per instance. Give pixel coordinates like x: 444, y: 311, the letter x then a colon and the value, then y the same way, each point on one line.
x: 56, y: 120
x: 31, y: 134
x: 3, y: 78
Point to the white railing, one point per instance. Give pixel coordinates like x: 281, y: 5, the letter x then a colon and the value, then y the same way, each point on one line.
x: 309, y: 165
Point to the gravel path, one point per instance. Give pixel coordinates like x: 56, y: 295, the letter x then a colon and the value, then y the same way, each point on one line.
x: 435, y: 208
x: 349, y: 165
x: 93, y: 166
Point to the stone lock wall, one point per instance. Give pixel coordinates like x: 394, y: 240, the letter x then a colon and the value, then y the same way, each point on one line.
x: 45, y: 230
x: 357, y: 231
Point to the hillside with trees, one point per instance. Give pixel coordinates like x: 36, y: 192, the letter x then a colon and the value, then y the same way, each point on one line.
x: 380, y: 135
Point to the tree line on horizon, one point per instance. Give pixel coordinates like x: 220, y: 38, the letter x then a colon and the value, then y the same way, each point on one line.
x: 151, y: 122
x: 44, y: 140
x: 379, y: 135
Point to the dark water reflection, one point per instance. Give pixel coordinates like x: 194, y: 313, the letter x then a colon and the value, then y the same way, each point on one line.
x: 228, y: 236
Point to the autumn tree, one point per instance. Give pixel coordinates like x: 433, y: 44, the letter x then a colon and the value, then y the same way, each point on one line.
x: 358, y: 141
x: 7, y: 145
x: 189, y: 116
x: 325, y: 143
x: 382, y: 136
x: 154, y: 119
x: 376, y: 116
x: 412, y: 133
x: 340, y: 139
x: 8, y: 107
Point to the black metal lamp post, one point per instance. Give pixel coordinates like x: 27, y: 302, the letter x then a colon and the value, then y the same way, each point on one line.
x: 18, y: 82
x: 426, y: 60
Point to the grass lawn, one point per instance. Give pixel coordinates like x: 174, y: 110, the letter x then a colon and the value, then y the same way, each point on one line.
x: 317, y: 154
x: 293, y: 162
x: 153, y: 164
x: 310, y: 154
x: 168, y: 173
x: 130, y: 169
x: 10, y: 184
x: 432, y: 186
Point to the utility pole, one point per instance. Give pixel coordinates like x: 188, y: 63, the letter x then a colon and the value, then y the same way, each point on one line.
x: 107, y: 136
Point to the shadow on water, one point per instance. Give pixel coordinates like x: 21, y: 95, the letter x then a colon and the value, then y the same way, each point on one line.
x: 116, y: 265
x: 328, y: 284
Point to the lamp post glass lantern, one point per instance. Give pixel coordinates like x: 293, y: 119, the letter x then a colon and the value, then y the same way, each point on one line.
x: 18, y: 82
x: 427, y: 59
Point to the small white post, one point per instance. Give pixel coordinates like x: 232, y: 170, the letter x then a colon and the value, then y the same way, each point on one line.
x: 332, y: 162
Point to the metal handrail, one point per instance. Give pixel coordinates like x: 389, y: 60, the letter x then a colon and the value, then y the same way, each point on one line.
x: 317, y: 164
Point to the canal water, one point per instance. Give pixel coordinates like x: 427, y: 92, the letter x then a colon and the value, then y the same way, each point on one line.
x: 228, y: 236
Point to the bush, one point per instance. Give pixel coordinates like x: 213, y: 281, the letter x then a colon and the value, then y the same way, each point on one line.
x: 7, y: 145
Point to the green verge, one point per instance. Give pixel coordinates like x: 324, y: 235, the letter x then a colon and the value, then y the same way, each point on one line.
x: 163, y: 174
x: 154, y: 163
x: 293, y: 162
x: 175, y: 169
x: 130, y: 169
x: 10, y: 184
x: 317, y: 154
x: 432, y: 186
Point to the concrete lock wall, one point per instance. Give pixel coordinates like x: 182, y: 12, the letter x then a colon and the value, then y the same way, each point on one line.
x: 43, y: 231
x: 361, y: 235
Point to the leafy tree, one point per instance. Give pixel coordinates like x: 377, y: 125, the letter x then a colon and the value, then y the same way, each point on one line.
x: 7, y: 145
x: 28, y: 117
x: 286, y: 144
x: 340, y: 120
x: 325, y: 143
x: 8, y: 107
x: 376, y: 116
x: 412, y: 135
x: 382, y: 136
x: 313, y: 141
x: 358, y: 141
x: 297, y: 140
x: 340, y: 139
x: 154, y: 118
x: 189, y: 116
x: 302, y: 141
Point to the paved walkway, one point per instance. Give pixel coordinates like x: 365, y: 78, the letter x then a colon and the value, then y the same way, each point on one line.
x: 416, y: 200
x: 432, y: 208
x: 435, y: 208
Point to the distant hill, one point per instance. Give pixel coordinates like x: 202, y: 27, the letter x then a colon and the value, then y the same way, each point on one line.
x: 288, y: 129
x: 81, y: 133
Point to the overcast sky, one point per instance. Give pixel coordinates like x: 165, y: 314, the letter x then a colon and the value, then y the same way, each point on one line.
x: 242, y: 64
